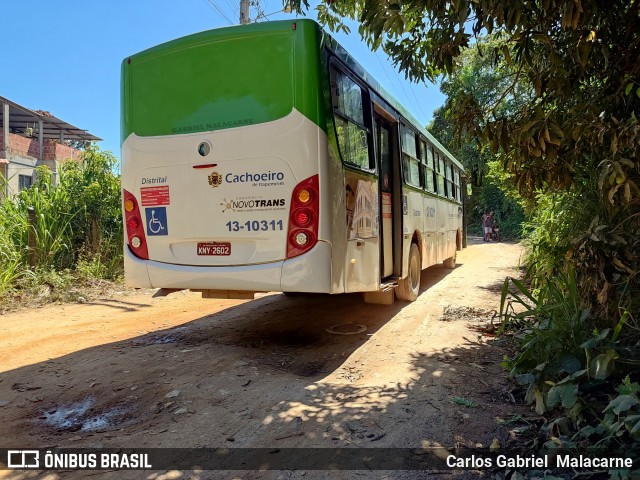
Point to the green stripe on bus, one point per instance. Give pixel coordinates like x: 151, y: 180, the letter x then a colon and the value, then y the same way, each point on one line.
x: 224, y: 78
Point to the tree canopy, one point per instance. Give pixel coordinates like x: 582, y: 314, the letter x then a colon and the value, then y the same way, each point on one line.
x: 552, y: 89
x: 581, y: 59
x: 479, y: 77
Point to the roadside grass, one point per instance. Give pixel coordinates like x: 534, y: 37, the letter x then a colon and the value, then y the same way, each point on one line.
x: 62, y: 241
x: 579, y: 375
x: 45, y: 287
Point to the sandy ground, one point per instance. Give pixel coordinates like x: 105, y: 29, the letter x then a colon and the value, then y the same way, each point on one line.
x: 183, y: 371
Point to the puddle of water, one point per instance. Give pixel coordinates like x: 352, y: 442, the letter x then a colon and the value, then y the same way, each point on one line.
x: 69, y: 417
x: 102, y: 421
x: 81, y: 416
x: 159, y: 340
x: 172, y: 337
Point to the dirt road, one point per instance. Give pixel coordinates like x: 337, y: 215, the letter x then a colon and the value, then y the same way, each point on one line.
x: 181, y: 371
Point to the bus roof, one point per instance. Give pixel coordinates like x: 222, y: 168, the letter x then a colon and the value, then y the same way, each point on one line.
x: 341, y: 53
x: 220, y: 32
x: 328, y: 41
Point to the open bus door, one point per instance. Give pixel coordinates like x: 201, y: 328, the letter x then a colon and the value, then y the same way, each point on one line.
x: 384, y: 136
x: 391, y: 198
x: 464, y: 197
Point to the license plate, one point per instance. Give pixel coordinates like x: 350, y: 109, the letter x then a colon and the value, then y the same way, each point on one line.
x: 223, y: 248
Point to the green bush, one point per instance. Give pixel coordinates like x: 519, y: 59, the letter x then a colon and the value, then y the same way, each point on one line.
x: 598, y: 239
x: 551, y: 327
x: 574, y: 371
x: 76, y: 224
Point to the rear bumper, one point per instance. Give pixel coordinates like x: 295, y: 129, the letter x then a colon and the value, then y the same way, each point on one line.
x: 310, y: 272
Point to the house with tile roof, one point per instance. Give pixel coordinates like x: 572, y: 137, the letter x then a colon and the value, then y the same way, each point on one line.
x: 29, y: 138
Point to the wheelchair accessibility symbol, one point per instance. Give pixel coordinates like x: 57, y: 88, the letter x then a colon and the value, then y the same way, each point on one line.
x: 156, y: 221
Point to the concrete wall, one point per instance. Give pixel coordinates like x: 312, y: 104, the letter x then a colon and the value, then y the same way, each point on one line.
x: 19, y: 165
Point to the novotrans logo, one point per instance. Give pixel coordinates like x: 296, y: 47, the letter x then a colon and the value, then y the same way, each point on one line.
x: 250, y: 204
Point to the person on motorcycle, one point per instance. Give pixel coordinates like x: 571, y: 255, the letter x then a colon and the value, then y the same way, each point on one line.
x: 488, y: 227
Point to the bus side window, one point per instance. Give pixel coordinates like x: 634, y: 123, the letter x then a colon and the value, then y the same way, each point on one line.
x: 454, y: 189
x: 410, y: 164
x: 448, y: 169
x: 349, y: 116
x: 434, y: 168
x: 423, y: 163
x: 457, y: 183
x: 442, y: 190
x: 427, y: 160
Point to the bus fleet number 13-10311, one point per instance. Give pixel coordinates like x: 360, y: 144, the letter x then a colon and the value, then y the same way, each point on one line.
x: 254, y: 225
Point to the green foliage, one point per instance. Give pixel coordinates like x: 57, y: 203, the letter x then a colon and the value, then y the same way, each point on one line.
x: 492, y: 189
x: 52, y: 220
x: 498, y: 195
x: 552, y: 324
x: 10, y: 258
x: 618, y: 426
x: 569, y: 365
x: 558, y: 333
x: 494, y: 193
x: 550, y: 230
x: 601, y: 242
x: 465, y: 402
x: 577, y: 58
x: 76, y: 225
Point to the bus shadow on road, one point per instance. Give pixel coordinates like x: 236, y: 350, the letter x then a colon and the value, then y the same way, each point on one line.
x: 457, y: 396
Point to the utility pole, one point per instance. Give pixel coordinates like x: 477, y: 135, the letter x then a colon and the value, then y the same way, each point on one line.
x: 244, y: 12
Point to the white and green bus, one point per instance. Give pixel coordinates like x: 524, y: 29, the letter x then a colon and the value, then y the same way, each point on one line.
x: 264, y: 158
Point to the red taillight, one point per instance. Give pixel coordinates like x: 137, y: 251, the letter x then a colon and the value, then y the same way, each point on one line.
x: 133, y: 223
x: 304, y: 217
x: 135, y: 231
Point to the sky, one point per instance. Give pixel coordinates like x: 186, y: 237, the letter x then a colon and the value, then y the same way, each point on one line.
x: 64, y: 56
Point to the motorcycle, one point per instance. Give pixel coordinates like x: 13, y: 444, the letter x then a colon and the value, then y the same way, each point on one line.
x: 495, y: 232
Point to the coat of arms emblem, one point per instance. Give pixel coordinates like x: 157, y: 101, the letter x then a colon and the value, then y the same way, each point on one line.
x: 215, y: 179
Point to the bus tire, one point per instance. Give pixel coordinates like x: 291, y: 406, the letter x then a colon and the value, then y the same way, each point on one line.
x: 409, y: 287
x: 450, y: 262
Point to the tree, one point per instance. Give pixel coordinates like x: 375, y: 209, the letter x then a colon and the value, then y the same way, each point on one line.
x: 94, y: 197
x: 582, y: 58
x: 562, y: 118
x: 481, y: 78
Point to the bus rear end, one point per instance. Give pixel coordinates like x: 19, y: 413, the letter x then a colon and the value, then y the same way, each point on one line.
x: 222, y: 145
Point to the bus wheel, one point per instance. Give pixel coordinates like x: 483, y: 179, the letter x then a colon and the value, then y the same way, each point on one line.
x: 450, y: 262
x: 409, y: 286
